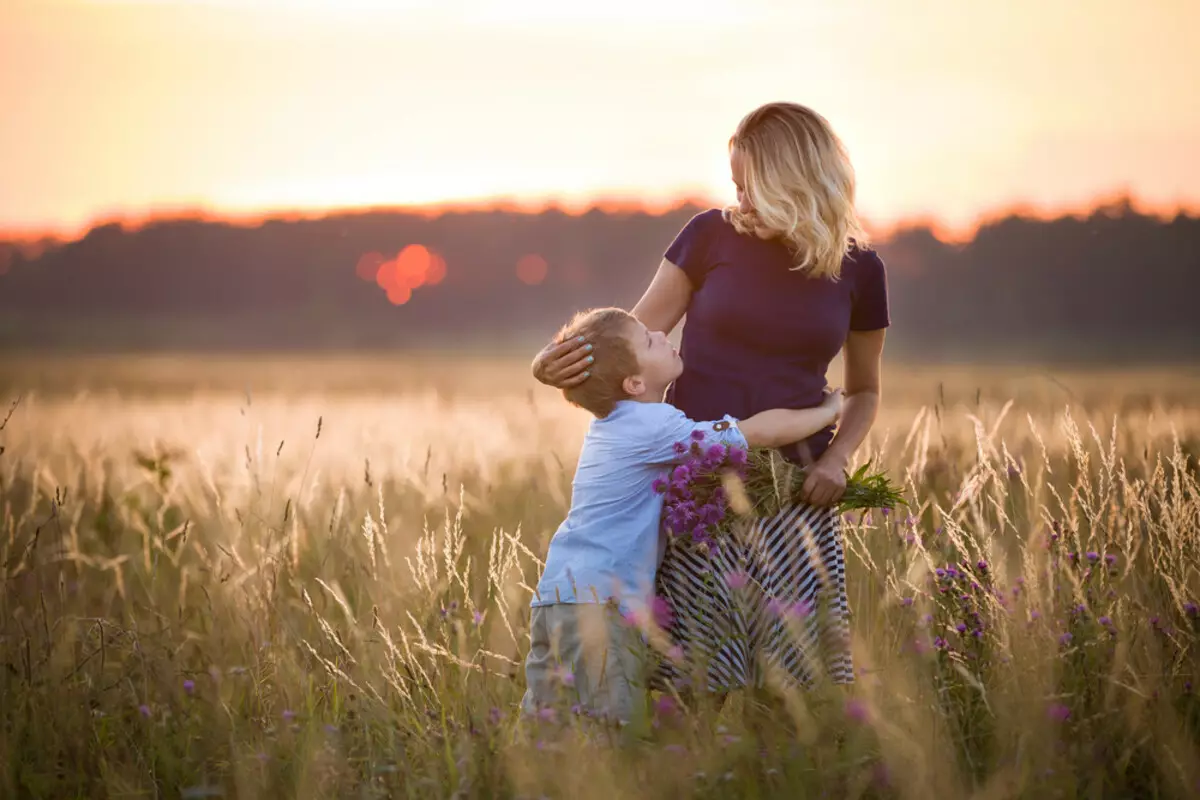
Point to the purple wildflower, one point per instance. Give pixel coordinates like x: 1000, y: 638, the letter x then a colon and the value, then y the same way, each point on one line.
x: 1105, y: 621
x: 737, y: 579
x: 546, y: 715
x: 659, y: 486
x: 675, y: 749
x: 1190, y: 609
x: 680, y: 448
x: 1065, y: 639
x: 857, y: 710
x: 981, y: 565
x: 939, y: 643
x: 661, y: 612
x: 881, y: 775
x: 495, y: 715
x: 801, y: 609
x: 1035, y: 614
x: 189, y: 686
x: 477, y: 618
x: 1058, y: 712
x: 665, y: 706
x: 908, y: 601
x: 288, y: 715
x: 1093, y: 556
x: 1110, y: 559
x: 776, y: 607
x: 961, y: 628
x: 144, y: 710
x: 941, y: 573
x: 698, y: 435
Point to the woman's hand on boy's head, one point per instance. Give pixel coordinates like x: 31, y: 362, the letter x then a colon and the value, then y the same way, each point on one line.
x: 564, y: 365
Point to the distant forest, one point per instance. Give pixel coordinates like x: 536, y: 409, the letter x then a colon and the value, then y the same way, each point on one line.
x: 1114, y: 285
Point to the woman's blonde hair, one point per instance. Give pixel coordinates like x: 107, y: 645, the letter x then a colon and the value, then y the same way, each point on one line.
x: 800, y: 184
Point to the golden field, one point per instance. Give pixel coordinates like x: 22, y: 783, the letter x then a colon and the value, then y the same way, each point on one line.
x: 308, y: 577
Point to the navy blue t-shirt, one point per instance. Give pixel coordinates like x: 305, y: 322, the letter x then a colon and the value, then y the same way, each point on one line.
x: 758, y: 335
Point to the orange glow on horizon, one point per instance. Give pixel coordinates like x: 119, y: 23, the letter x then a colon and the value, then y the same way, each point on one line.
x: 952, y: 112
x: 32, y: 243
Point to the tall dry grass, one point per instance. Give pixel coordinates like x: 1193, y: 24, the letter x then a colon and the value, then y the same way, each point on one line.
x: 320, y: 589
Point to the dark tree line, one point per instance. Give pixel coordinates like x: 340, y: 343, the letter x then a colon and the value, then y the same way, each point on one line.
x: 1115, y: 284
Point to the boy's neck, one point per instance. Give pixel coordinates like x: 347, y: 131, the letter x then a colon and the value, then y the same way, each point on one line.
x: 653, y: 394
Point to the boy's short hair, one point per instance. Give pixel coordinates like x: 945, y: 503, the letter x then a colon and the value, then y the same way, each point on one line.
x: 607, y: 331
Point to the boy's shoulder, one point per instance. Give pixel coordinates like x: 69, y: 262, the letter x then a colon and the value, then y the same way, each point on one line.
x: 651, y: 413
x: 636, y: 421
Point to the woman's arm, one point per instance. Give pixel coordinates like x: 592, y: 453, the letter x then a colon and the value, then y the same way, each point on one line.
x: 660, y: 309
x: 826, y: 481
x: 666, y: 299
x: 779, y: 427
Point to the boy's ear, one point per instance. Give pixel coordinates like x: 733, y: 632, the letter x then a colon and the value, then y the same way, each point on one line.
x: 634, y: 386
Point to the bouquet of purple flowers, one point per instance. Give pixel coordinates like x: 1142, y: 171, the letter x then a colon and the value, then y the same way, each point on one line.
x: 715, y: 479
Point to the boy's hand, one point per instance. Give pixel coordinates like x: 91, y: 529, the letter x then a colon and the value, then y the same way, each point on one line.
x: 833, y: 401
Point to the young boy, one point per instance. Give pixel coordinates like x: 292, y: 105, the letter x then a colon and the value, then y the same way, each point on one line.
x: 602, y: 560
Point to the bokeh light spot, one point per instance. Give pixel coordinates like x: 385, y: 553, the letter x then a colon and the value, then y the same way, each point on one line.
x: 437, y: 270
x: 412, y: 265
x: 368, y: 266
x: 399, y: 294
x: 532, y: 269
x: 385, y: 276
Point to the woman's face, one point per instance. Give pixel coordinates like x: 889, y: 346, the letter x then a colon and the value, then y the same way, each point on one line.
x: 737, y: 169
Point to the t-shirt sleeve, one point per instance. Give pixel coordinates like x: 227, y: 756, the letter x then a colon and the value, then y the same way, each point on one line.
x: 691, y: 249
x: 869, y: 309
x: 671, y: 440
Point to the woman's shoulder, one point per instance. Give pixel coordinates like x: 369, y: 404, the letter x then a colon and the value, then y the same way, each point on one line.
x: 862, y: 259
x: 861, y: 253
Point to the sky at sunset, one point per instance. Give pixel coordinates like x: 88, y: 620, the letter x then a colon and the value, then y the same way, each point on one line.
x: 951, y: 109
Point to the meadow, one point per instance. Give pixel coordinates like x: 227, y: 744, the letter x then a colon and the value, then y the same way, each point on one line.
x: 302, y: 577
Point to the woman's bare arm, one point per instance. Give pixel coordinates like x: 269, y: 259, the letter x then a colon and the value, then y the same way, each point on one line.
x: 665, y: 300
x: 826, y: 481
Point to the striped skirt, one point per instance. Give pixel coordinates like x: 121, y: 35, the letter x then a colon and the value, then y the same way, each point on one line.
x: 767, y: 604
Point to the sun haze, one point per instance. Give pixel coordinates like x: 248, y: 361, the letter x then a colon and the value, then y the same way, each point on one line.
x: 951, y: 110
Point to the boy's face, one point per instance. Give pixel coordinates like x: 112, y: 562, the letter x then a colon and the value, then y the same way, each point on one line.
x: 658, y: 363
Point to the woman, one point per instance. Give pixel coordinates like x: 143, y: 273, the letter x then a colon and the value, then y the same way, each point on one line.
x: 772, y: 288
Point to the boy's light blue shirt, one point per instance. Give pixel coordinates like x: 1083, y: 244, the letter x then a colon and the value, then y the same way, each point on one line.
x: 609, y: 541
